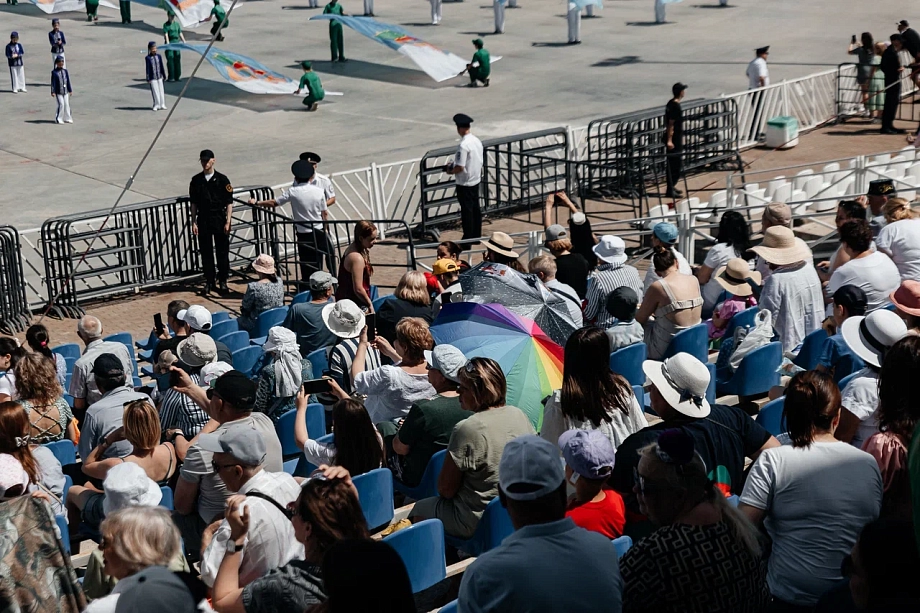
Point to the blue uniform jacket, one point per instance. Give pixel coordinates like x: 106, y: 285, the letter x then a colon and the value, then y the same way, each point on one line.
x: 60, y: 82
x: 10, y: 50
x: 57, y: 40
x: 155, y: 68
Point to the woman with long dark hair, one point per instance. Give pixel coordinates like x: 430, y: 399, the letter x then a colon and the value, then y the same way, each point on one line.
x: 38, y: 462
x: 734, y: 241
x: 39, y: 340
x: 356, y: 445
x: 355, y: 271
x: 898, y: 413
x: 592, y: 396
x: 813, y: 497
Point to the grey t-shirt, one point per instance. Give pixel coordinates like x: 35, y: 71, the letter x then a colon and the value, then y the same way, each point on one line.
x: 212, y: 493
x: 476, y: 447
x: 306, y: 321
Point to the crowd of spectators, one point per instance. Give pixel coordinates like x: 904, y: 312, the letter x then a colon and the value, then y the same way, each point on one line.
x: 722, y: 513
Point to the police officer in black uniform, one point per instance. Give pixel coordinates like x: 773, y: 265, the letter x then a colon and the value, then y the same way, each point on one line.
x: 211, y: 196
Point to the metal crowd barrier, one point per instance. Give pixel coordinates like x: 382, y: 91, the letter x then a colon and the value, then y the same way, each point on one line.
x: 505, y: 182
x: 14, y: 305
x: 852, y: 101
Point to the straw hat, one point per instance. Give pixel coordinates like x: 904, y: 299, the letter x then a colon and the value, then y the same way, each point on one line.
x: 264, y: 264
x: 502, y: 244
x: 780, y: 247
x: 871, y: 336
x: 733, y: 277
x: 907, y: 297
x: 682, y: 381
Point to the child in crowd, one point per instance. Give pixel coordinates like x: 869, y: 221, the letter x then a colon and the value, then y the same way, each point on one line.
x: 836, y: 356
x: 589, y: 459
x: 622, y: 304
x: 733, y: 277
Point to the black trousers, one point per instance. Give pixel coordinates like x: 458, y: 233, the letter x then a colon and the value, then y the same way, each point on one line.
x: 212, y: 240
x: 675, y: 165
x: 890, y: 110
x: 312, y: 248
x: 470, y: 213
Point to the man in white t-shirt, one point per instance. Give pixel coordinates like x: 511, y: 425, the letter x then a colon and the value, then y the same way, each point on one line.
x: 757, y: 72
x: 544, y: 266
x: 871, y: 271
x: 665, y: 234
x: 467, y: 170
x: 901, y: 241
x: 869, y: 338
x: 309, y: 209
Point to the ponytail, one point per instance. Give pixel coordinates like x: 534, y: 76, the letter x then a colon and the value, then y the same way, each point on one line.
x: 39, y: 340
x: 811, y: 406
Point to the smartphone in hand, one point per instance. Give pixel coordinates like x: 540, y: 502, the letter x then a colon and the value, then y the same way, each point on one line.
x: 317, y: 386
x: 371, y: 320
x: 158, y: 323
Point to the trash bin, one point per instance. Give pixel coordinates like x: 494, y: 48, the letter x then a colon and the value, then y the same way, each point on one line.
x: 782, y: 132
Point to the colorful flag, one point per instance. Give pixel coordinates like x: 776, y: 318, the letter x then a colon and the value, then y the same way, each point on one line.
x: 438, y: 64
x: 189, y: 13
x: 63, y: 6
x: 241, y: 71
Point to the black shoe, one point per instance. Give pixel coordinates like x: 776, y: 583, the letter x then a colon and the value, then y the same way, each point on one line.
x: 343, y: 59
x: 674, y: 193
x: 223, y: 289
x: 208, y: 287
x: 485, y: 83
x: 898, y: 131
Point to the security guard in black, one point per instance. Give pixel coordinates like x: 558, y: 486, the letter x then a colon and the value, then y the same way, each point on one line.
x: 211, y: 196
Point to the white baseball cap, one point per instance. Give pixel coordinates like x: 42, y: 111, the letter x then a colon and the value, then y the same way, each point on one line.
x: 198, y: 317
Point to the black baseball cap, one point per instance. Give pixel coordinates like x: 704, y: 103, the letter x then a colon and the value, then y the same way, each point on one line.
x: 302, y: 169
x: 235, y: 388
x: 622, y: 303
x: 678, y: 87
x: 311, y: 157
x: 463, y: 120
x: 108, y: 365
x: 852, y: 298
x: 205, y: 155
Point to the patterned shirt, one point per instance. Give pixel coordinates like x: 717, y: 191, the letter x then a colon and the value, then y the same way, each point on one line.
x: 604, y: 280
x: 266, y: 401
x: 57, y: 40
x: 179, y: 411
x: 60, y: 82
x: 341, y: 358
x: 683, y: 568
x: 259, y: 297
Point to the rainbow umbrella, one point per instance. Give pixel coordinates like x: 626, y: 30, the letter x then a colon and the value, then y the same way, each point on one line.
x: 531, y: 361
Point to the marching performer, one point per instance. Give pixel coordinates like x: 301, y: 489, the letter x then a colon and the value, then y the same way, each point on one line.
x: 61, y: 90
x: 57, y: 40
x: 498, y: 7
x: 155, y: 75
x: 14, y: 53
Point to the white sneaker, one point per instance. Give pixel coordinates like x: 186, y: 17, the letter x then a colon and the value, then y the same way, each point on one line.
x: 23, y: 89
x: 58, y: 121
x: 164, y: 108
x: 68, y: 121
x: 155, y: 108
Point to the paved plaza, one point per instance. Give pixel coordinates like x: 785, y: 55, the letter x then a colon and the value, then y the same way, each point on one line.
x: 391, y: 110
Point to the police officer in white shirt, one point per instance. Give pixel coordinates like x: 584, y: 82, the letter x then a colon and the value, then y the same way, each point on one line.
x: 467, y: 170
x: 757, y: 72
x: 309, y: 212
x: 239, y: 452
x: 319, y: 180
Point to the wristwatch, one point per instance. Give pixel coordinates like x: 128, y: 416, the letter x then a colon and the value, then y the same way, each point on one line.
x: 233, y: 547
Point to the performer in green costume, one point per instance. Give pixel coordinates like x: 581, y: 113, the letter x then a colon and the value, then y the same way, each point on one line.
x: 336, y: 36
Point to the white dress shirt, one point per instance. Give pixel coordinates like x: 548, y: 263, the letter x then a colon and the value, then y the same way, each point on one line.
x: 308, y: 202
x: 756, y: 69
x: 270, y: 542
x: 469, y: 156
x: 324, y: 183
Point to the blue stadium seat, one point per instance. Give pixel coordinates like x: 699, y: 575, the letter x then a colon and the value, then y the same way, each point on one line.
x: 301, y: 297
x: 136, y: 381
x: 219, y: 317
x: 68, y: 483
x: 122, y: 337
x: 428, y: 486
x: 151, y: 342
x: 69, y: 364
x: 319, y: 360
x: 244, y: 360
x: 733, y: 500
x: 811, y: 350
x: 693, y: 340
x: 67, y: 380
x: 304, y: 468
x: 61, y: 522
x: 68, y: 399
x: 316, y: 427
x: 421, y: 547
x: 771, y: 417
x: 64, y: 451
x: 224, y: 328
x: 290, y: 466
x: 266, y: 321
x: 711, y: 390
x: 493, y: 528
x: 373, y: 293
x: 450, y: 607
x: 628, y: 363
x: 622, y: 544
x: 166, y: 501
x: 235, y: 340
x: 847, y: 365
x: 756, y: 374
x: 68, y: 350
x: 744, y: 319
x: 375, y: 493
x: 378, y: 302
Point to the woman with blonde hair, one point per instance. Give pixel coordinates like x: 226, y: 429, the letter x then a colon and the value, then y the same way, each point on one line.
x: 705, y: 555
x: 469, y: 479
x: 142, y: 429
x: 42, y: 397
x: 900, y: 238
x: 355, y: 271
x: 411, y: 299
x: 133, y: 539
x: 391, y: 390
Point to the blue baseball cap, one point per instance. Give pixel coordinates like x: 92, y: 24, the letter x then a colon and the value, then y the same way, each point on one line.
x: 14, y: 34
x: 666, y: 232
x: 152, y: 43
x: 55, y: 20
x: 588, y: 452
